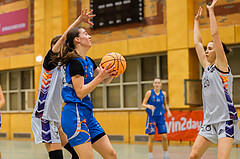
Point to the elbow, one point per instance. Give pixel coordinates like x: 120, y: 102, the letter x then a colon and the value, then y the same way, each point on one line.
x: 197, y: 43
x: 80, y: 95
x: 214, y: 33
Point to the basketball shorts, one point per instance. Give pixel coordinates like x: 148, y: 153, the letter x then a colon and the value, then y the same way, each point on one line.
x: 45, y: 131
x: 153, y: 122
x: 79, y: 124
x: 214, y: 132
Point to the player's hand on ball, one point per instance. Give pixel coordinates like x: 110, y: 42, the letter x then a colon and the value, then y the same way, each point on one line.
x: 107, y: 72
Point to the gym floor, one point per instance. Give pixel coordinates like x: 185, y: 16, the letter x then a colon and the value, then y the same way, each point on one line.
x: 11, y: 149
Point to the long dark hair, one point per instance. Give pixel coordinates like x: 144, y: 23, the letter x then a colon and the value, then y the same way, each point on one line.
x: 68, y: 51
x: 226, y: 49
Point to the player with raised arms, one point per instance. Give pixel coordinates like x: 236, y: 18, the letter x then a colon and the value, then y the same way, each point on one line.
x: 220, y: 124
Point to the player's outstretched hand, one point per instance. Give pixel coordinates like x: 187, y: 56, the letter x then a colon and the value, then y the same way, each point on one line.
x: 85, y: 16
x: 199, y: 14
x: 212, y: 5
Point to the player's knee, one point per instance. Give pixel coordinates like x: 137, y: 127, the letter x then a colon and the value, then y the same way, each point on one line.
x: 164, y: 137
x: 112, y: 154
x: 193, y: 155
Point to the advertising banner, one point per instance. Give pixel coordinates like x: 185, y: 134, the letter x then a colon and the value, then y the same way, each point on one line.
x: 183, y: 125
x: 14, y: 22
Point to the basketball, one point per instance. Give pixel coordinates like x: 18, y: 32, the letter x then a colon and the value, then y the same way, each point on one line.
x: 116, y: 60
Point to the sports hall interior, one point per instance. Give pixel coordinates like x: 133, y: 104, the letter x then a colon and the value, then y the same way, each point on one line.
x: 162, y: 45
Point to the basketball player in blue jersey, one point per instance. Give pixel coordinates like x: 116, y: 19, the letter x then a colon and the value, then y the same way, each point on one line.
x: 155, y: 103
x: 82, y: 129
x: 2, y: 102
x: 45, y: 120
x: 220, y: 123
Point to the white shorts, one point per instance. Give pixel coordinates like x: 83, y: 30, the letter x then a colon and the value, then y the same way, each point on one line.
x: 214, y: 132
x: 45, y: 131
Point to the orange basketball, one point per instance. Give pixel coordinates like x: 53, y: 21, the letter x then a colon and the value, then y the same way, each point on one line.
x: 116, y: 60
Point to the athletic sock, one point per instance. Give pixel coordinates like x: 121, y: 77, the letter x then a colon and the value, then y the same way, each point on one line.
x: 71, y: 150
x: 165, y: 154
x: 150, y: 155
x: 57, y: 154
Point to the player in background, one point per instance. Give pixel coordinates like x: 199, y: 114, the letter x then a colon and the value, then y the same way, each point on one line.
x: 155, y: 102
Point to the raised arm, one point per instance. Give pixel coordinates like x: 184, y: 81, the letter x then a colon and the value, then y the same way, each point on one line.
x: 84, y: 17
x: 198, y: 41
x: 2, y: 99
x: 221, y: 59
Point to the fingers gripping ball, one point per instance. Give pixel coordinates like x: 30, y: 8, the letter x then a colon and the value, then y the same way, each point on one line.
x: 116, y: 60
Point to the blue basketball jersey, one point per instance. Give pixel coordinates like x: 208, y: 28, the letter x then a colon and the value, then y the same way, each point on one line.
x: 157, y: 101
x: 68, y: 93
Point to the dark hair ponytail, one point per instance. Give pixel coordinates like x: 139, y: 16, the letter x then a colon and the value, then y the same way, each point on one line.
x: 226, y: 49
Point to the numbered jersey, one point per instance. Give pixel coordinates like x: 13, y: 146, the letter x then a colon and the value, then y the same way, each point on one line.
x: 157, y: 101
x: 217, y: 96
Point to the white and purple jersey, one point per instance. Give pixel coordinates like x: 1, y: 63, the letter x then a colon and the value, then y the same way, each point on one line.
x: 49, y: 101
x: 217, y: 96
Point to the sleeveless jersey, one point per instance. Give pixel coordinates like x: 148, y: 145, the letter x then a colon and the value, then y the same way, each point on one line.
x: 157, y: 101
x: 68, y: 93
x: 49, y: 102
x: 217, y: 96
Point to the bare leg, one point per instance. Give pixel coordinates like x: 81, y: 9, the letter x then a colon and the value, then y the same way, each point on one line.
x: 200, y: 145
x: 224, y: 147
x: 150, y: 143
x: 104, y: 148
x: 63, y: 136
x: 53, y: 146
x: 164, y: 142
x: 84, y: 151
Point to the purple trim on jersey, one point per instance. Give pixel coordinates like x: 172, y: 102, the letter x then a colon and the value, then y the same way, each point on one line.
x: 46, y: 133
x: 229, y: 128
x: 45, y: 85
x: 231, y: 108
x: 232, y: 111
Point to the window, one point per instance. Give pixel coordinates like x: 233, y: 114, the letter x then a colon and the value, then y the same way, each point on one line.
x: 18, y: 89
x: 128, y: 90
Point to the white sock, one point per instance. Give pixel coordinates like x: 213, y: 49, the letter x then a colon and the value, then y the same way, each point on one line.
x: 150, y: 155
x: 165, y: 154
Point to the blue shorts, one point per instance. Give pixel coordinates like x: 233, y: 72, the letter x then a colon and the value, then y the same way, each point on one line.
x: 79, y: 124
x: 153, y: 122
